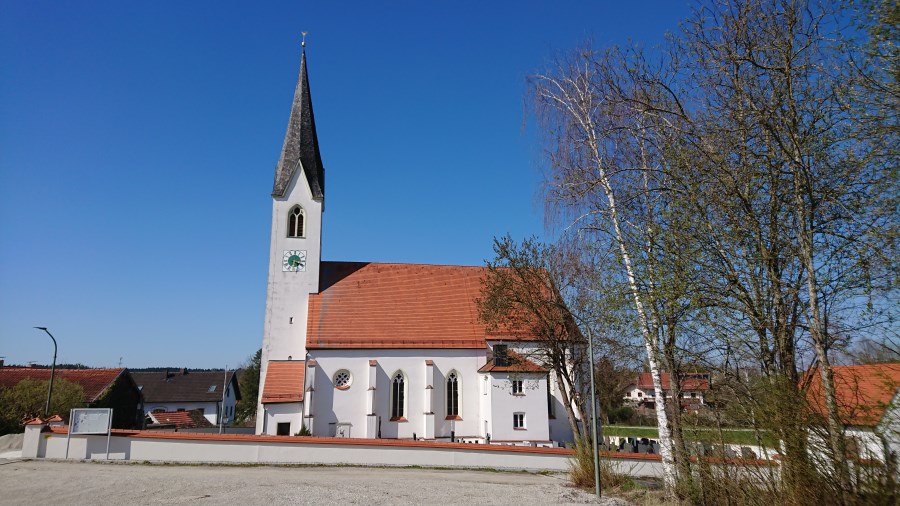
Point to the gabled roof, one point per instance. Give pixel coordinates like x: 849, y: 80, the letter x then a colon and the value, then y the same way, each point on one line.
x: 184, y: 386
x: 863, y: 392
x: 517, y: 363
x: 93, y: 381
x: 284, y: 381
x: 380, y: 305
x: 301, y: 145
x: 181, y: 419
x: 645, y: 382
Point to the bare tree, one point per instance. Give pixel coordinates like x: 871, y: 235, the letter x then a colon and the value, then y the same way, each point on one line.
x: 524, y: 297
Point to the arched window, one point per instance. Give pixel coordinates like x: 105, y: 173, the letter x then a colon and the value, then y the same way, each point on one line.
x: 398, y: 396
x: 452, y: 395
x: 295, y: 222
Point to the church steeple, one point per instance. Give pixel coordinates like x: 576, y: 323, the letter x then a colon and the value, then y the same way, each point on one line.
x: 301, y: 145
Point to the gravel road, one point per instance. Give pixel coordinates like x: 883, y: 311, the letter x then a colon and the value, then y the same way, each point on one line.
x: 55, y: 482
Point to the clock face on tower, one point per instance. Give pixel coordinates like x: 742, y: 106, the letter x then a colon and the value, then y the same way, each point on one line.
x: 294, y: 260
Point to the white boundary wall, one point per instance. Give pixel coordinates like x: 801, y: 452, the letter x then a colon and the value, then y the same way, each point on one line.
x: 244, y: 450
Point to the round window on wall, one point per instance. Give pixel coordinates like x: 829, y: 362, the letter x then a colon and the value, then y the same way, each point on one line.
x: 342, y: 379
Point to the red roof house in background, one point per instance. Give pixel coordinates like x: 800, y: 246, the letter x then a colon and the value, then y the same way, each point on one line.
x: 868, y: 402
x: 103, y: 388
x: 864, y: 393
x: 693, y: 387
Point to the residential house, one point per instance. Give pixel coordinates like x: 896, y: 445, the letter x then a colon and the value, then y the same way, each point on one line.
x: 213, y: 393
x: 868, y: 402
x: 103, y: 388
x: 694, y: 386
x: 383, y: 350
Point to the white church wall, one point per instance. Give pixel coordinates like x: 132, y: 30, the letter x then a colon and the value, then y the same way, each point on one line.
x: 332, y: 405
x: 182, y: 447
x: 532, y: 402
x: 288, y: 412
x: 559, y: 427
x: 558, y: 418
x: 485, y: 391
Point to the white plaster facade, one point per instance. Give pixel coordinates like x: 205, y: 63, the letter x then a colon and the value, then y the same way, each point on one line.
x: 287, y: 293
x: 486, y: 402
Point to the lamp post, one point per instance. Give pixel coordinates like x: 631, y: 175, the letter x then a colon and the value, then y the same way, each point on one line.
x: 594, y: 415
x: 52, y: 371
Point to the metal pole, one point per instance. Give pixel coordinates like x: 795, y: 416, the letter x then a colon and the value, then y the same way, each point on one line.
x: 594, y: 416
x: 222, y: 411
x: 52, y: 372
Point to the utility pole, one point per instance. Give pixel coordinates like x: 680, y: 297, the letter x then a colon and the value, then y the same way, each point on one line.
x: 222, y: 411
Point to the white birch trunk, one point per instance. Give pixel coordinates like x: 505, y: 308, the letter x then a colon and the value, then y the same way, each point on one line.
x: 578, y: 107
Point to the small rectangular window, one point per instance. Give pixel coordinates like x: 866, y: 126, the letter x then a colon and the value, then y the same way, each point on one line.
x: 517, y: 387
x: 519, y: 421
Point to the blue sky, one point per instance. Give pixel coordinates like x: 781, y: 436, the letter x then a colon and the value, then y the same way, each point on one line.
x: 138, y: 142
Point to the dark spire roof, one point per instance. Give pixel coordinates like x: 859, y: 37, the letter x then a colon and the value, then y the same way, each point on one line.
x: 301, y: 145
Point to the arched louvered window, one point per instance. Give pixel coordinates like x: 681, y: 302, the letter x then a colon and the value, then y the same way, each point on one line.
x: 398, y: 396
x: 452, y: 395
x: 296, y: 221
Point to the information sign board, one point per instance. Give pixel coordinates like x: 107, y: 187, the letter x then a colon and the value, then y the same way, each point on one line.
x: 90, y: 421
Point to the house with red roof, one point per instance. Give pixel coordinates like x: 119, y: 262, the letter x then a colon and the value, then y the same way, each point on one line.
x: 868, y: 402
x: 103, y: 388
x: 692, y: 388
x: 214, y: 394
x: 383, y: 350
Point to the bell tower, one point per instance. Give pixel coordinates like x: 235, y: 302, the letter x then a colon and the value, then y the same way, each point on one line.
x: 298, y: 201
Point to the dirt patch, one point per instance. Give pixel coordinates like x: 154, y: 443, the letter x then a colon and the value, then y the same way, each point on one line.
x: 38, y: 482
x: 11, y: 442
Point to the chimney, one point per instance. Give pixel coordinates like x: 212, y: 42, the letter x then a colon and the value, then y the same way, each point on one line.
x: 500, y: 357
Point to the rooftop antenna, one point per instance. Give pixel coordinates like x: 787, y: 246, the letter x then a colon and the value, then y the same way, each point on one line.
x: 303, y: 42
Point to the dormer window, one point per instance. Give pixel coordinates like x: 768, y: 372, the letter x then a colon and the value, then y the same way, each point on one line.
x: 296, y: 221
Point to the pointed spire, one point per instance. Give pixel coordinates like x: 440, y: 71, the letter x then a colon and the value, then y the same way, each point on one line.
x: 301, y: 145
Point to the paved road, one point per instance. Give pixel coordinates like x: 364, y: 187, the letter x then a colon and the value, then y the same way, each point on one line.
x: 74, y: 483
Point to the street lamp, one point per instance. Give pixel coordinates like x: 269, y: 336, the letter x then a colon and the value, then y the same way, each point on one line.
x: 52, y: 371
x: 594, y: 414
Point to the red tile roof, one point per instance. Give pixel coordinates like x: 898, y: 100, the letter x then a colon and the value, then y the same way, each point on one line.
x: 375, y: 305
x: 517, y: 363
x: 863, y: 392
x: 181, y: 419
x: 35, y: 421
x: 645, y: 382
x: 284, y: 381
x: 93, y: 381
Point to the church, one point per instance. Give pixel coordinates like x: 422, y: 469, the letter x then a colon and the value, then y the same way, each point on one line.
x: 383, y: 350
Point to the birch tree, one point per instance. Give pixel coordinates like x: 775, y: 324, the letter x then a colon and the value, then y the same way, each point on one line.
x: 604, y: 175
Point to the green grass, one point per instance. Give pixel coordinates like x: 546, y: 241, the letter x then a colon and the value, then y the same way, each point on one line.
x: 732, y: 436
